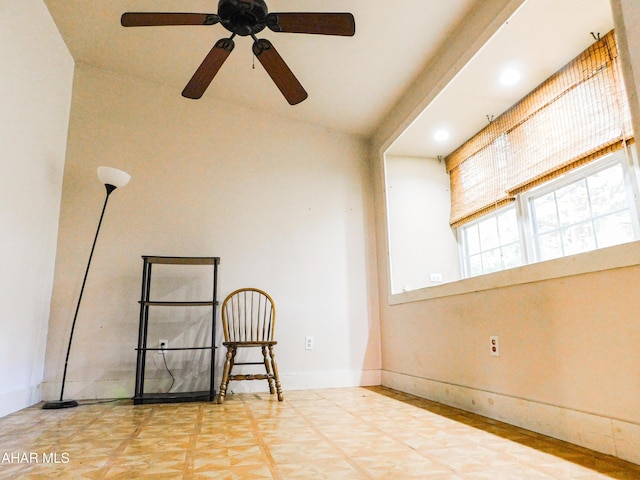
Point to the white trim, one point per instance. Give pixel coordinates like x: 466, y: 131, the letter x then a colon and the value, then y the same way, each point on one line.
x: 100, y: 389
x: 105, y: 389
x: 610, y: 436
x: 313, y: 380
x: 608, y: 258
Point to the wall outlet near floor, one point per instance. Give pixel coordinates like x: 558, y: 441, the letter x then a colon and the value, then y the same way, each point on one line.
x: 494, y: 345
x: 435, y: 277
x: 163, y: 344
x: 308, y: 343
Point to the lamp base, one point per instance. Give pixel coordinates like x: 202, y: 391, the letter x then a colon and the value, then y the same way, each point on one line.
x: 56, y: 404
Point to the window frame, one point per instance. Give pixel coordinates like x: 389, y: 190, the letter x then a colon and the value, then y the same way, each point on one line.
x: 525, y: 199
x: 626, y: 158
x: 463, y: 243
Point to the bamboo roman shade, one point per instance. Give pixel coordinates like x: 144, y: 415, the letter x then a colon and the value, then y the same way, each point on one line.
x: 577, y: 115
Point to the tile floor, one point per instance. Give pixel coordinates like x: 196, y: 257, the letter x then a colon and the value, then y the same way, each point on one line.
x: 353, y: 433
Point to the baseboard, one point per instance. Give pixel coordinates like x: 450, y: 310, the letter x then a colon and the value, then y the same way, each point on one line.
x: 314, y: 380
x: 101, y: 389
x: 18, y: 399
x: 602, y: 434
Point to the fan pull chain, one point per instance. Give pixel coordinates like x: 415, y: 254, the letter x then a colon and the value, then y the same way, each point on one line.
x: 253, y: 55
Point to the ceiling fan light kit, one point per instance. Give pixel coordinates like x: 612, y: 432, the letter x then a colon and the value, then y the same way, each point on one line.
x: 248, y: 18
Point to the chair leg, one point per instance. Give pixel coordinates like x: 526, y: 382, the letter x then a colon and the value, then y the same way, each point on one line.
x: 274, y: 365
x: 267, y: 366
x: 225, y: 374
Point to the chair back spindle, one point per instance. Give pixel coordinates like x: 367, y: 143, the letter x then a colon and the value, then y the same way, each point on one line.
x: 248, y: 315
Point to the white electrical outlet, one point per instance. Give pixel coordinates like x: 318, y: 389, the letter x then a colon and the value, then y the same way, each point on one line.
x: 308, y: 343
x: 436, y: 277
x: 163, y: 344
x: 494, y: 345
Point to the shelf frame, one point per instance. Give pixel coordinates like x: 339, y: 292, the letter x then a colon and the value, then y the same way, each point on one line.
x: 145, y: 302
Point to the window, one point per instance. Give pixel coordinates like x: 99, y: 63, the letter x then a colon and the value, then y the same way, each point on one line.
x: 492, y: 243
x: 576, y: 116
x: 549, y: 177
x: 585, y: 209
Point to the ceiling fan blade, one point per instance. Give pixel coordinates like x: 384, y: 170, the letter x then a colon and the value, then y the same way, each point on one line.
x: 153, y: 19
x: 279, y: 72
x: 208, y: 69
x: 318, y: 23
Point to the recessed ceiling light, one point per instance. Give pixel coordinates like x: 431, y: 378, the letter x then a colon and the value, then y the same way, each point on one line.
x: 510, y: 76
x: 441, y: 135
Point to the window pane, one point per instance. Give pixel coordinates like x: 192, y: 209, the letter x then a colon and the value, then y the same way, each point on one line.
x: 492, y: 243
x: 607, y: 191
x: 508, y: 227
x: 545, y: 213
x: 491, y: 261
x: 512, y: 255
x: 578, y: 238
x: 475, y: 265
x: 614, y: 229
x: 473, y: 239
x: 573, y: 203
x: 549, y: 246
x: 488, y: 233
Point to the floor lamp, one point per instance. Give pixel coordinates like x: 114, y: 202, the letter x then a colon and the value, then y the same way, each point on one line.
x: 112, y: 179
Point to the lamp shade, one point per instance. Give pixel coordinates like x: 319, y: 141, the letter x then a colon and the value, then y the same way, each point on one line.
x: 113, y: 176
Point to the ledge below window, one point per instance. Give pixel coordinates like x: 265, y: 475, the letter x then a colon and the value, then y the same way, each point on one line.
x: 609, y: 258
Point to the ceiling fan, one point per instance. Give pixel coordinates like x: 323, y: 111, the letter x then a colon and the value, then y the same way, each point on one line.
x: 247, y: 18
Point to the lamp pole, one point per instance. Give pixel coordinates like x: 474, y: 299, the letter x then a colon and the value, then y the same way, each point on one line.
x: 61, y: 403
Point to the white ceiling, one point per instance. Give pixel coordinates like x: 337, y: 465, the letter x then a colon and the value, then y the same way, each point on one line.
x: 538, y: 40
x: 353, y: 82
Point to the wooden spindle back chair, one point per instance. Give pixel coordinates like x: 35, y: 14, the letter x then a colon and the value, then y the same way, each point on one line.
x: 248, y: 321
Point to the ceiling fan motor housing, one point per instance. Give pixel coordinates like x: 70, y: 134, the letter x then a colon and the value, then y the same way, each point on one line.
x: 243, y: 17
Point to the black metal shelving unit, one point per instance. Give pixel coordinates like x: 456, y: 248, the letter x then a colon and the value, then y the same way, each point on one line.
x: 146, y: 303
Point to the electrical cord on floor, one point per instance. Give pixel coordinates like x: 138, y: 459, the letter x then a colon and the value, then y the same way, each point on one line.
x: 97, y: 402
x: 164, y: 358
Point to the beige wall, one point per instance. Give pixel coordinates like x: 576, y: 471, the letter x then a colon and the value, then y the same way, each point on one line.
x: 568, y: 353
x: 421, y: 243
x: 36, y: 97
x: 286, y: 206
x: 568, y: 330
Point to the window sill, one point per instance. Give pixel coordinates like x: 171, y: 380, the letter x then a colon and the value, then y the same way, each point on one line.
x: 618, y: 256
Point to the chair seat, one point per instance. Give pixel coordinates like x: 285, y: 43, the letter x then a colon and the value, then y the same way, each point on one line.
x: 249, y: 344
